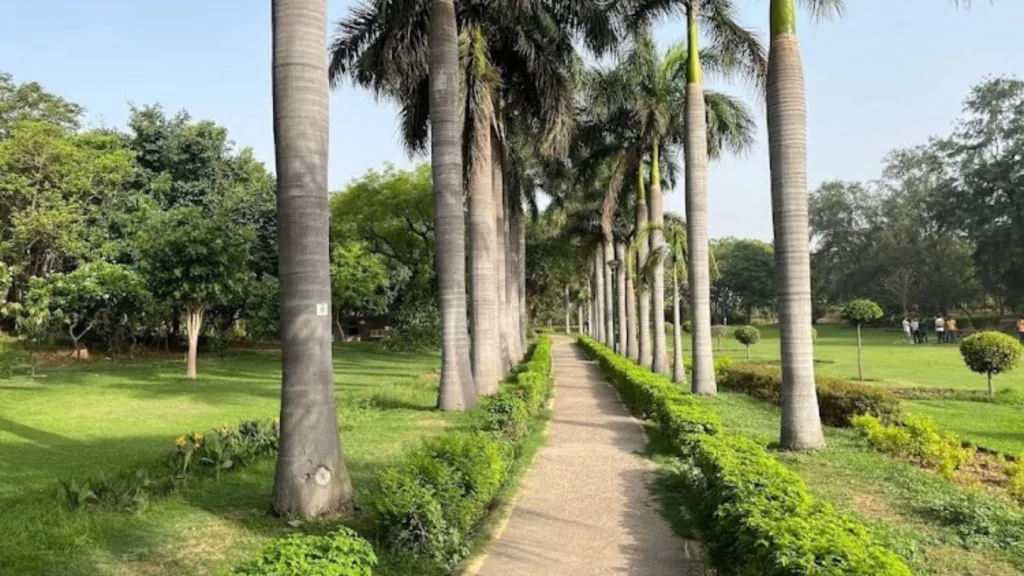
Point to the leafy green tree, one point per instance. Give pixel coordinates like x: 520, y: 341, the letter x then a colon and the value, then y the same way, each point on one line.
x: 56, y: 191
x: 860, y: 312
x: 359, y: 282
x: 29, y: 102
x: 263, y: 309
x: 747, y: 271
x: 191, y: 260
x: 990, y: 353
x: 748, y: 336
x: 33, y: 321
x: 97, y: 297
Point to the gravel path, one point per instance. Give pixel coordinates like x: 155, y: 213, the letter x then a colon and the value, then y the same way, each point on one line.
x: 585, y: 507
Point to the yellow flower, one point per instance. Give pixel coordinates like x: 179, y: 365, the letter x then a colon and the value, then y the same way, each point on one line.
x: 180, y: 441
x: 224, y: 429
x: 197, y: 437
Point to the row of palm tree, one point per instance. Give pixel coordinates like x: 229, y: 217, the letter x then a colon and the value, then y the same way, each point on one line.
x: 494, y: 85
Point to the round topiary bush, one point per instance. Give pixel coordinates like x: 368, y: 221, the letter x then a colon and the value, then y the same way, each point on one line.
x: 861, y: 312
x: 748, y: 336
x: 990, y: 353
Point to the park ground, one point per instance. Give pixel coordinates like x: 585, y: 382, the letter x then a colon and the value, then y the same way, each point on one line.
x: 99, y: 419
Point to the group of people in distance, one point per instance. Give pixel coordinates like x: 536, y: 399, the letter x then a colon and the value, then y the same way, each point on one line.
x: 916, y: 332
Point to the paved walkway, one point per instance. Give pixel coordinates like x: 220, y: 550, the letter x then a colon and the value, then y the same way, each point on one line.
x: 585, y: 508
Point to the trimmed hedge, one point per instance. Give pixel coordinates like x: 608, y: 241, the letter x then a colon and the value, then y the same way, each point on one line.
x: 426, y: 508
x: 758, y: 515
x: 838, y: 400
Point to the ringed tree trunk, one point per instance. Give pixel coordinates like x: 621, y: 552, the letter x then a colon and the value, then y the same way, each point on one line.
x: 579, y: 318
x: 483, y: 234
x: 457, y: 390
x: 501, y: 261
x: 311, y: 478
x: 599, y: 293
x: 516, y: 325
x: 568, y: 312
x: 609, y: 295
x: 787, y: 143
x: 632, y: 349
x: 696, y: 158
x: 660, y: 364
x: 193, y: 326
x: 511, y: 289
x: 620, y: 291
x: 678, y: 368
x: 524, y: 319
x: 645, y: 337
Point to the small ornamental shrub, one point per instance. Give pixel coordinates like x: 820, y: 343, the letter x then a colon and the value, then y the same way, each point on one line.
x: 748, y: 336
x: 338, y: 553
x: 857, y: 313
x: 506, y: 413
x: 990, y: 353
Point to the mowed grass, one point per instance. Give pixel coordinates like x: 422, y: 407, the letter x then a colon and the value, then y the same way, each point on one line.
x: 99, y: 419
x: 890, y: 495
x: 890, y: 362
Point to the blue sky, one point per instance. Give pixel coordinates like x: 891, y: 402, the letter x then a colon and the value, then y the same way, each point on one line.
x: 917, y: 57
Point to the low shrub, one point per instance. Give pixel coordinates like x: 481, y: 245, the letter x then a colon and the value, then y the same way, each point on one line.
x: 838, y: 400
x: 979, y: 522
x: 918, y: 439
x: 757, y: 515
x: 338, y: 553
x: 426, y: 507
x: 990, y: 353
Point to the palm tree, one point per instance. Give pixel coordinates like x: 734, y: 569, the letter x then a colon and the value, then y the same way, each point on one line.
x: 645, y: 355
x: 311, y: 478
x: 516, y: 55
x: 627, y: 317
x: 650, y: 92
x: 787, y: 143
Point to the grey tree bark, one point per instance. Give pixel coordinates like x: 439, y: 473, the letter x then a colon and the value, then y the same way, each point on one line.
x: 579, y: 319
x: 609, y: 295
x: 311, y: 478
x: 657, y: 215
x: 193, y: 327
x: 787, y: 138
x: 568, y: 312
x: 696, y: 154
x: 501, y: 261
x: 646, y: 337
x: 599, y: 304
x: 678, y: 368
x: 632, y: 350
x: 620, y: 298
x: 524, y: 312
x: 483, y: 253
x: 457, y: 389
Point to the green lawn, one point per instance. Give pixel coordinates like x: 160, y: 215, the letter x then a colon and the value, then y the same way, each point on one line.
x: 889, y: 362
x: 95, y: 419
x: 890, y: 495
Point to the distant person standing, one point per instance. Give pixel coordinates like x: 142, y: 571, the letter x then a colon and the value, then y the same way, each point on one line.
x: 952, y: 333
x: 1020, y: 328
x: 906, y: 331
x: 915, y: 327
x: 940, y: 329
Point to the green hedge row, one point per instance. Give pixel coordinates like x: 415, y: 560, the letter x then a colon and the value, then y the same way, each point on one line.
x: 838, y: 400
x: 758, y: 515
x: 424, y: 509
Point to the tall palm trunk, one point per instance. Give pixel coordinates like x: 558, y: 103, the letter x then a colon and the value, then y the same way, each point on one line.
x: 632, y: 351
x: 311, y: 478
x: 787, y: 143
x: 568, y: 311
x: 620, y: 291
x: 696, y: 153
x: 483, y: 235
x: 678, y: 368
x: 591, y: 316
x: 511, y: 287
x: 609, y: 295
x: 524, y: 315
x: 579, y: 318
x: 599, y: 293
x: 660, y: 364
x: 646, y: 344
x: 457, y: 390
x: 501, y: 261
